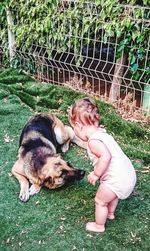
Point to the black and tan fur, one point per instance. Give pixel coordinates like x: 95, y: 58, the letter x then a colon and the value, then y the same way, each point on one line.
x: 38, y: 162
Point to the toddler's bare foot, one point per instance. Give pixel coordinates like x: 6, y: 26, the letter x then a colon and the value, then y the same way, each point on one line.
x: 93, y: 227
x: 111, y: 216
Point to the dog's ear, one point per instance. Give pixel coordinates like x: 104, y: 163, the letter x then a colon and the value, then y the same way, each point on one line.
x: 48, y: 180
x: 57, y: 161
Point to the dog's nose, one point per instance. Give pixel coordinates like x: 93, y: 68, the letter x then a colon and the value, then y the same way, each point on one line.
x: 81, y: 174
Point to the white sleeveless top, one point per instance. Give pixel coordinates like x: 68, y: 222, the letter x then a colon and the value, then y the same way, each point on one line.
x: 120, y: 175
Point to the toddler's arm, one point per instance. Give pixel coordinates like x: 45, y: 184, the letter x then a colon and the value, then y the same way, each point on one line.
x: 92, y: 178
x: 99, y: 149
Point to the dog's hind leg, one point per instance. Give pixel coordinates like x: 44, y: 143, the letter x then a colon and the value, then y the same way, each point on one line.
x: 74, y: 138
x: 18, y: 172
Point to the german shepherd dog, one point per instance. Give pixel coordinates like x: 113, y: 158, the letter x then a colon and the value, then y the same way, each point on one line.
x: 38, y: 160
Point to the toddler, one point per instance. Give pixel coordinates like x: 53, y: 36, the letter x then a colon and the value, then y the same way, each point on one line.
x: 111, y: 166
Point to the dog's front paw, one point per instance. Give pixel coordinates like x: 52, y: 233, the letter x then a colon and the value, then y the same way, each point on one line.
x: 34, y: 189
x: 24, y: 195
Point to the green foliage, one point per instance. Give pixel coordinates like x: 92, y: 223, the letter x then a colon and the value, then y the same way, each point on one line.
x: 47, y: 23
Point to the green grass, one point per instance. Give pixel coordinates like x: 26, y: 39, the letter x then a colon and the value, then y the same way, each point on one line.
x: 54, y: 220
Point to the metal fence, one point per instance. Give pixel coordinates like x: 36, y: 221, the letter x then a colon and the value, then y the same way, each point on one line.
x: 98, y: 66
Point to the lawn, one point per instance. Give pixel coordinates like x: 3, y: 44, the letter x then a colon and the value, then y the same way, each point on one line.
x: 54, y: 220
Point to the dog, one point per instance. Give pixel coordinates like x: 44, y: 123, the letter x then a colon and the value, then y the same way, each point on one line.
x: 39, y: 162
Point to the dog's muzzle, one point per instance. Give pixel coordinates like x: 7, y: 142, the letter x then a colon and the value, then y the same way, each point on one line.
x: 80, y: 174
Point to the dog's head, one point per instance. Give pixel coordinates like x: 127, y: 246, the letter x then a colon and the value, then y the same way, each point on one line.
x: 55, y: 172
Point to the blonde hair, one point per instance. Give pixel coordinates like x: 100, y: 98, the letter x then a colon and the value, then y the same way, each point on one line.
x: 84, y: 111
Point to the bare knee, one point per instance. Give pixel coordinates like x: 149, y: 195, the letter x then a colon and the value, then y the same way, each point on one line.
x: 99, y: 202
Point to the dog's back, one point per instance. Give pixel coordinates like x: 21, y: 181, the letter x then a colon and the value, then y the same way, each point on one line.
x: 40, y: 124
x: 38, y: 132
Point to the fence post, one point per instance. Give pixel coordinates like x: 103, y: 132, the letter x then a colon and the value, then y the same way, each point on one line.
x: 117, y: 78
x: 11, y: 36
x: 146, y: 99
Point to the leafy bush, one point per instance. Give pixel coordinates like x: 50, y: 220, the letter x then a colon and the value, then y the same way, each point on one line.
x: 47, y: 23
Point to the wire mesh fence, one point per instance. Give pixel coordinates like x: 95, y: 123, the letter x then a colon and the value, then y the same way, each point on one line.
x: 89, y: 56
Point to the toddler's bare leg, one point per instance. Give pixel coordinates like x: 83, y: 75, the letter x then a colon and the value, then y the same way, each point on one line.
x: 111, y: 208
x: 103, y: 197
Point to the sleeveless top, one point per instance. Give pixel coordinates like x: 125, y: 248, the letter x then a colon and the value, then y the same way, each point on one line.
x: 120, y: 174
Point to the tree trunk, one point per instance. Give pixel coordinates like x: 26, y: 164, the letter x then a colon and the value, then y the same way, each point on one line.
x: 11, y: 37
x: 117, y: 78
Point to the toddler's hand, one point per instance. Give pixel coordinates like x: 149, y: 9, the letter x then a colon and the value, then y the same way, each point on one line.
x: 92, y: 178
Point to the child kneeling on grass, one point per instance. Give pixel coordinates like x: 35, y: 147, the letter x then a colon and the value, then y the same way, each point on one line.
x: 111, y: 166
